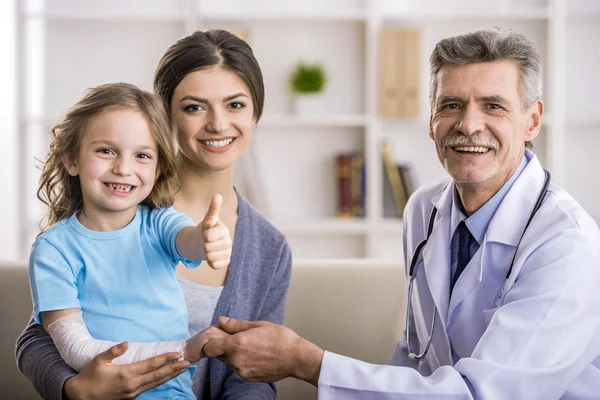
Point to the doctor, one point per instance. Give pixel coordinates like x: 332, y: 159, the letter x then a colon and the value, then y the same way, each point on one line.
x: 507, y: 284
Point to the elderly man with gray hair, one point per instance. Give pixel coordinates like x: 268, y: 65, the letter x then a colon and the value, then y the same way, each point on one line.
x: 502, y: 265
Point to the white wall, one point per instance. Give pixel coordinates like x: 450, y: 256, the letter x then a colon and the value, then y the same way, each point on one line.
x: 8, y: 127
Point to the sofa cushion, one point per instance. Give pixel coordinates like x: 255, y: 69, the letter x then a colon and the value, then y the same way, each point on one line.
x: 15, y: 312
x: 350, y: 307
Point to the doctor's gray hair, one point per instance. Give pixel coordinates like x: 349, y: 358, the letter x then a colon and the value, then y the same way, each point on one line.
x: 490, y: 45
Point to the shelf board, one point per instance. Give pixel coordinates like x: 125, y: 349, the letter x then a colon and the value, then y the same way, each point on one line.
x: 338, y: 226
x: 341, y: 121
x: 292, y: 121
x: 276, y: 121
x: 391, y: 225
x: 33, y: 120
x: 107, y: 17
x: 325, y: 226
x: 283, y: 15
x: 584, y: 122
x: 576, y: 16
x: 420, y: 122
x: 110, y: 10
x: 347, y: 263
x: 424, y: 16
x: 416, y: 122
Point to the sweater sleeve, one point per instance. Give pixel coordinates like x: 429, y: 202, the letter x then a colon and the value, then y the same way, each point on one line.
x: 39, y: 360
x: 274, y: 308
x: 234, y: 387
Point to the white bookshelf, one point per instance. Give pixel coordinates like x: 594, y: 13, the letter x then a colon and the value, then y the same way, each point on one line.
x: 69, y: 45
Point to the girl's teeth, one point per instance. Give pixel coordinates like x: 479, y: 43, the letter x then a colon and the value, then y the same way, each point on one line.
x: 217, y: 143
x: 120, y: 188
x: 477, y: 149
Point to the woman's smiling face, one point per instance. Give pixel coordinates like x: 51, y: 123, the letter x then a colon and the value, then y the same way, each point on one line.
x: 212, y: 117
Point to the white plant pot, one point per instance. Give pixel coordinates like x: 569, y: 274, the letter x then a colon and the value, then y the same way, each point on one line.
x: 309, y: 104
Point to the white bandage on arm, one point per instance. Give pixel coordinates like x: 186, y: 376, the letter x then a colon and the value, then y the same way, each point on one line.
x: 77, y: 347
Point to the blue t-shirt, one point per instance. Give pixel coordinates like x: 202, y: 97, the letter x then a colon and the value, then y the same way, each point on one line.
x: 124, y: 281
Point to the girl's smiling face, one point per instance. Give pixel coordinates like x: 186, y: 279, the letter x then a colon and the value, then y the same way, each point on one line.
x: 116, y: 165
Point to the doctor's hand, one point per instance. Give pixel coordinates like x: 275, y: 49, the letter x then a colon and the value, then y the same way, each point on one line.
x: 101, y: 379
x: 216, y: 237
x: 266, y: 352
x: 194, y: 346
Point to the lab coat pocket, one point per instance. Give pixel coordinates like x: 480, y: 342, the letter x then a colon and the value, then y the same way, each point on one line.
x: 488, y: 314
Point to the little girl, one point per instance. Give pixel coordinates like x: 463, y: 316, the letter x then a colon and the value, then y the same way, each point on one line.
x: 103, y: 269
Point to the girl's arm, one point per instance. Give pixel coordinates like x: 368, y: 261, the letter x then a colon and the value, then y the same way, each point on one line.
x: 210, y: 240
x: 39, y: 360
x: 77, y: 347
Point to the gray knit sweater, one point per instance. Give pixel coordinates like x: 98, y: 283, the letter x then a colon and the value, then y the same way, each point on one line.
x: 255, y: 289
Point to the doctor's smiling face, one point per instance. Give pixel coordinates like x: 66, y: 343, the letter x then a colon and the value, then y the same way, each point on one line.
x: 480, y: 125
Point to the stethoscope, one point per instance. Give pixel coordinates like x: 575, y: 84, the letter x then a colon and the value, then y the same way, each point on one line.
x: 415, y: 257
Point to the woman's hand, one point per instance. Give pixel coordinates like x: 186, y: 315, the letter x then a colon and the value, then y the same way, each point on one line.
x: 194, y: 347
x: 100, y: 379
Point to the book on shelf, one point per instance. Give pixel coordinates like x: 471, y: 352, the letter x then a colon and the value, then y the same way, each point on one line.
x: 350, y: 174
x: 398, y: 184
x: 350, y: 177
x: 388, y: 88
x: 393, y: 177
x: 406, y: 176
x: 399, y: 72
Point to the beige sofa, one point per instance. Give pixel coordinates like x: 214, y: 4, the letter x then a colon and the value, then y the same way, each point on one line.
x: 351, y: 307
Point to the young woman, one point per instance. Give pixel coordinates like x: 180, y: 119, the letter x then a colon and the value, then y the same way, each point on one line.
x: 103, y: 269
x: 212, y: 87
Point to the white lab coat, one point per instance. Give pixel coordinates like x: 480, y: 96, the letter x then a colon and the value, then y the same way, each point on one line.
x: 537, y: 339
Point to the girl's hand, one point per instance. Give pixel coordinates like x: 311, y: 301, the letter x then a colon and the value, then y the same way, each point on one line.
x: 217, y: 239
x: 101, y: 379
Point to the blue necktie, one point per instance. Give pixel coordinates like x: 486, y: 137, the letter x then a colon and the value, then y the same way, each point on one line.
x: 464, y: 254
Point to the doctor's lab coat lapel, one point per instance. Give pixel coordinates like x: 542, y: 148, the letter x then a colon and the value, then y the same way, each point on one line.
x: 436, y: 256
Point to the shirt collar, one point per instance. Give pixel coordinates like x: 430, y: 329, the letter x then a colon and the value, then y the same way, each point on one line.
x: 479, y: 221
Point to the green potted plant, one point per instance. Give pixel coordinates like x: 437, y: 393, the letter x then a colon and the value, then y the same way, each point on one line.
x: 307, y: 82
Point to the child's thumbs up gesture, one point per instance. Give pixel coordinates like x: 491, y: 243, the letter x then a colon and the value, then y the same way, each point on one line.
x: 217, y: 240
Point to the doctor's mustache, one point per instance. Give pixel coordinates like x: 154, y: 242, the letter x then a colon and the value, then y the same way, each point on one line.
x: 458, y: 139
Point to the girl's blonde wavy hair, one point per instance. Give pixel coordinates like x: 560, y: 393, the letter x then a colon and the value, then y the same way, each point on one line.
x: 61, y: 192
